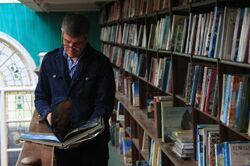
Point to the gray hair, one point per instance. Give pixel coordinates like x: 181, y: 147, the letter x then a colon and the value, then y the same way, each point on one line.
x: 75, y: 25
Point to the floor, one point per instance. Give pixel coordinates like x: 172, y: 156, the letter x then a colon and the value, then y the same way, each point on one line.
x: 115, y: 159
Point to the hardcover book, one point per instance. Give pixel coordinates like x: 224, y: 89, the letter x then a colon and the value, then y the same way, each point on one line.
x: 87, y: 130
x: 63, y: 135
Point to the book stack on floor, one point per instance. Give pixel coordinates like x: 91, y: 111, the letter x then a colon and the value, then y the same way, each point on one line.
x: 183, y: 145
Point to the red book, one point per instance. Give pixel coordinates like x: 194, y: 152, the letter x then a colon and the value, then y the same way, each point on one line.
x: 210, y: 89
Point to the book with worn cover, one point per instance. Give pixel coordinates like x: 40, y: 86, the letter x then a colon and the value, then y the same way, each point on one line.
x: 86, y: 130
x: 63, y: 134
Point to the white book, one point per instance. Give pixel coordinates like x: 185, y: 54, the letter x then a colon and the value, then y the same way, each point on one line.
x: 244, y: 36
x: 193, y: 32
x: 208, y: 34
x: 204, y: 34
x: 218, y: 39
x: 144, y: 38
x: 198, y: 34
x: 189, y: 32
x: 231, y: 18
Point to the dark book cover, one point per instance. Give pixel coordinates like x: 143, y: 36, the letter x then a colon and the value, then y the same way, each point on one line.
x: 61, y: 119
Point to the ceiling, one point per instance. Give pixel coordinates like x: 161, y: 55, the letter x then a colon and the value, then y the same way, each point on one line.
x: 64, y: 5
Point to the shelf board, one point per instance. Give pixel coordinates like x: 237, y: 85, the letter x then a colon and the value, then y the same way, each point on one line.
x: 182, y: 54
x: 143, y: 79
x: 203, y: 3
x: 115, y: 66
x: 163, y: 11
x: 181, y: 8
x: 200, y: 57
x: 142, y: 48
x: 164, y: 51
x: 234, y: 3
x: 144, y: 153
x: 167, y: 149
x: 130, y: 46
x: 244, y: 135
x: 129, y: 19
x: 151, y: 15
x: 208, y: 115
x: 122, y: 124
x: 110, y: 23
x: 111, y: 43
x: 151, y: 50
x: 148, y: 125
x: 180, y: 97
x: 236, y: 64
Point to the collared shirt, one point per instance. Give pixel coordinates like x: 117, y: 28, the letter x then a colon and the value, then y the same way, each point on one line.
x: 71, y: 64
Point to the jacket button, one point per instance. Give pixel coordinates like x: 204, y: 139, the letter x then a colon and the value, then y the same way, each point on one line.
x: 87, y: 78
x: 54, y: 76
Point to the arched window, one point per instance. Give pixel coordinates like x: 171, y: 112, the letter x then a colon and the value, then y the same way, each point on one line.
x: 17, y: 84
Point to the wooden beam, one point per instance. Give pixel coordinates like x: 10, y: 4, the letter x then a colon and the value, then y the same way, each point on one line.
x: 42, y: 152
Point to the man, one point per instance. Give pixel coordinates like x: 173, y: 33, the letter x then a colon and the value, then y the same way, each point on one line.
x: 78, y: 72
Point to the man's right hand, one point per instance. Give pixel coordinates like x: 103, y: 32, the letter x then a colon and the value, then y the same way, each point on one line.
x: 49, y: 118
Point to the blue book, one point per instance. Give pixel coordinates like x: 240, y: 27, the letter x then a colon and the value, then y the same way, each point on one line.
x: 236, y: 153
x: 197, y: 69
x: 227, y: 97
x: 219, y: 154
x: 135, y: 94
x: 166, y: 74
x: 217, y: 14
x: 199, y: 141
x: 238, y: 105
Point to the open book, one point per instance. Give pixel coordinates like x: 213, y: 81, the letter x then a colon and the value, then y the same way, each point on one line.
x: 84, y: 132
x: 64, y: 135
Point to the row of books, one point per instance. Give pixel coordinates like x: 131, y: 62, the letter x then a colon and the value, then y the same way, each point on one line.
x: 114, y: 53
x: 157, y: 37
x: 128, y: 87
x: 154, y: 154
x: 201, y: 89
x: 158, y: 71
x: 207, y: 135
x: 112, y: 34
x: 132, y: 8
x: 110, y: 13
x: 211, y: 152
x: 236, y: 101
x: 232, y: 153
x: 222, y: 33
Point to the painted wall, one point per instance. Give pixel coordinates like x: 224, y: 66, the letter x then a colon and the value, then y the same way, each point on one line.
x: 39, y: 32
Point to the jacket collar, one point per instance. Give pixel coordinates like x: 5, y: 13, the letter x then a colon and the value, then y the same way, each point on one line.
x: 81, y: 67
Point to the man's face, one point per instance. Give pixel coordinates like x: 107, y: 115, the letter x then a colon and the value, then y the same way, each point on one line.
x: 73, y: 46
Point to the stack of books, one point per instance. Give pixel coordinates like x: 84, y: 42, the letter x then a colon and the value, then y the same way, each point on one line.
x: 183, y: 146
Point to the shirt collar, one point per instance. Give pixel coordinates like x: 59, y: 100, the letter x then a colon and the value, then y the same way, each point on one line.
x: 68, y: 58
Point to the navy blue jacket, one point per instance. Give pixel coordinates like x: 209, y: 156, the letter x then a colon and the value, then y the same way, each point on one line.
x: 91, y: 89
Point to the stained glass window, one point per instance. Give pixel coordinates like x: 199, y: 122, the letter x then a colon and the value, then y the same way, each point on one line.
x: 17, y: 84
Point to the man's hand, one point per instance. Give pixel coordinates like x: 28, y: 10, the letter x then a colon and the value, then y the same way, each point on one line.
x: 49, y: 118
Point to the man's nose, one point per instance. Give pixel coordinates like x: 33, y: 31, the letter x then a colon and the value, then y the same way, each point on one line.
x: 71, y: 44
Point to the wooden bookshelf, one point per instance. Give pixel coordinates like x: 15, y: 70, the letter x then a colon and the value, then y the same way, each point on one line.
x: 181, y: 56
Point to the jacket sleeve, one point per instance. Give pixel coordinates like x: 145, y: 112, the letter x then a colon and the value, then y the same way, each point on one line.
x: 42, y: 92
x: 105, y: 92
